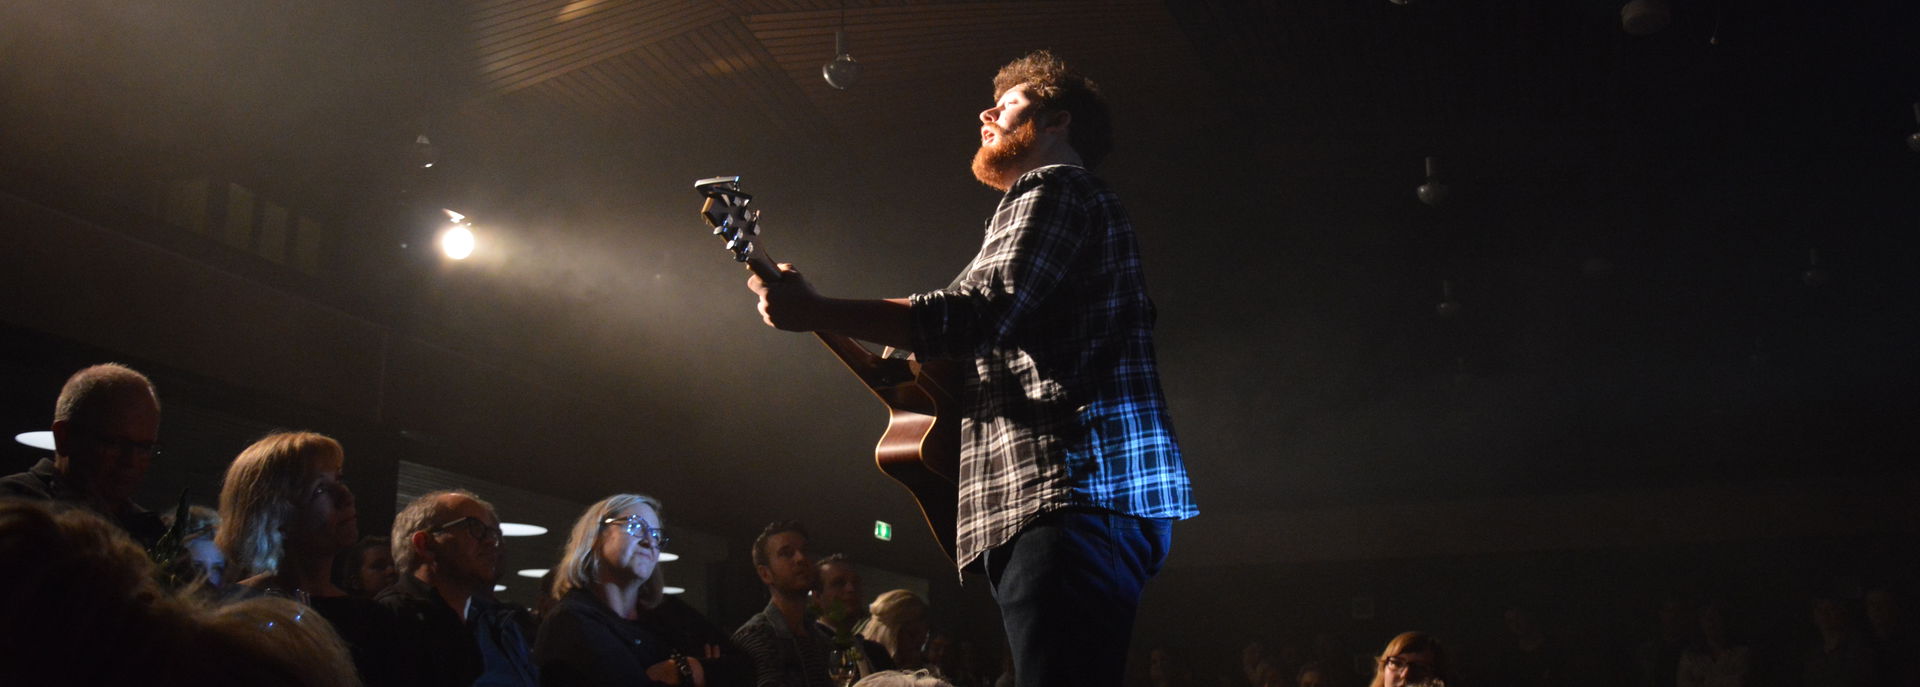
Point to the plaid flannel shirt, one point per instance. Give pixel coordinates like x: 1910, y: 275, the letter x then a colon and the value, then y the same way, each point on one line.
x: 1065, y: 408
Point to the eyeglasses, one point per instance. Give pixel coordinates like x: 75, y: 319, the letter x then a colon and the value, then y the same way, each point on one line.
x: 123, y: 445
x: 477, y: 528
x: 635, y: 526
x: 1396, y: 662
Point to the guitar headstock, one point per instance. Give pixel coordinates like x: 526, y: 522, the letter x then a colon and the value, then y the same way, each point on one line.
x: 727, y: 212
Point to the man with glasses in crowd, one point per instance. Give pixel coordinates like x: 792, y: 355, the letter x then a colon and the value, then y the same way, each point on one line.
x: 106, y: 423
x: 447, y: 547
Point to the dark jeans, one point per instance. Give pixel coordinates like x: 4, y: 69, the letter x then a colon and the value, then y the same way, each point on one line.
x: 1068, y: 585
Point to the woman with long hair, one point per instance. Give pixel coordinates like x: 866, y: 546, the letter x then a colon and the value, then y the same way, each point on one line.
x: 898, y: 621
x: 613, y: 622
x: 285, y: 514
x: 1412, y: 658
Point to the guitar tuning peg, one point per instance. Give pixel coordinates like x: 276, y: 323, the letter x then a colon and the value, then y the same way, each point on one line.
x: 720, y: 230
x: 751, y: 215
x: 740, y: 246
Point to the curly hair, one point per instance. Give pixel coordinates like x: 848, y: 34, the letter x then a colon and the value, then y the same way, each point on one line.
x: 1053, y: 86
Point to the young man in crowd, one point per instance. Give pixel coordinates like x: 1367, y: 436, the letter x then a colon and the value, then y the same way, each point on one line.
x: 787, y: 645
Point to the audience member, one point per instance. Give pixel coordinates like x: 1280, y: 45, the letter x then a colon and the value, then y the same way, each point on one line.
x: 1842, y: 658
x: 447, y: 545
x: 1715, y: 660
x: 1529, y: 660
x: 1165, y: 668
x: 1657, y: 660
x: 843, y: 608
x: 899, y: 622
x: 901, y: 678
x: 1251, y: 654
x: 1895, y: 644
x: 200, y: 561
x: 285, y: 513
x: 785, y: 642
x: 607, y: 579
x: 366, y: 568
x: 79, y: 605
x: 1330, y: 651
x: 1412, y: 658
x: 106, y: 423
x: 1267, y: 673
x: 1310, y: 675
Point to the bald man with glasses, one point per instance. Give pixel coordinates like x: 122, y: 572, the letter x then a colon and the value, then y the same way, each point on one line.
x: 447, y: 547
x: 106, y: 425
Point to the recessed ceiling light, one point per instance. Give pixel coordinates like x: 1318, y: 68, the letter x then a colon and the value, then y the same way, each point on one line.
x: 668, y: 557
x: 516, y: 529
x: 499, y: 588
x: 42, y: 439
x: 535, y: 573
x: 673, y: 590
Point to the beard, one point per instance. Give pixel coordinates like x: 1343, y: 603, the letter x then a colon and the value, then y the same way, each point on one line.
x: 997, y: 165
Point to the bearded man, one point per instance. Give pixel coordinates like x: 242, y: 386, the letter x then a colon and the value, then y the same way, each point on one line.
x: 1070, y: 473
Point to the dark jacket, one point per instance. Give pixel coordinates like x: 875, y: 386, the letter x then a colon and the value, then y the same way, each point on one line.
x: 440, y: 646
x: 582, y: 642
x: 42, y: 483
x: 488, y: 648
x: 780, y: 657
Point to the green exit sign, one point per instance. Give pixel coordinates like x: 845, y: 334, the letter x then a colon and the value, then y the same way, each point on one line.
x: 882, y: 531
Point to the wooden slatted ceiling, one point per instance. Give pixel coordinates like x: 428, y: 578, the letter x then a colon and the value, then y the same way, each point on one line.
x: 655, y: 60
x: 902, y: 49
x: 713, y: 71
x: 522, y: 42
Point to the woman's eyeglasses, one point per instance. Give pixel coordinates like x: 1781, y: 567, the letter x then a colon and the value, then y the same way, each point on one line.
x: 1414, y: 667
x: 634, y: 526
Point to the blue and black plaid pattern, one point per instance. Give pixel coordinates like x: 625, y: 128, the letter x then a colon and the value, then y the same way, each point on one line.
x: 1065, y: 408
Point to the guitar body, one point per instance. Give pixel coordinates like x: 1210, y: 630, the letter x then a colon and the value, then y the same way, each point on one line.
x: 921, y: 447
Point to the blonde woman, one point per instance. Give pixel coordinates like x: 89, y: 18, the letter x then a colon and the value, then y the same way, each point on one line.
x: 898, y: 621
x: 285, y: 513
x: 613, y: 623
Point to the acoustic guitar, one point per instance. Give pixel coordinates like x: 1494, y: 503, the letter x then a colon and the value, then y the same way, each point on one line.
x: 921, y: 447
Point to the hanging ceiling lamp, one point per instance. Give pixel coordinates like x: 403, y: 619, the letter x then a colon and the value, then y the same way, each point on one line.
x: 843, y: 71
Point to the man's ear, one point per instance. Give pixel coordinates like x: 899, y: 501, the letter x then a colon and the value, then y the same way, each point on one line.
x: 421, y: 543
x: 60, y: 437
x: 766, y: 573
x: 1056, y: 122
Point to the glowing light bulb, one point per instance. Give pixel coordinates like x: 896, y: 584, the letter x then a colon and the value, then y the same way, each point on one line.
x: 457, y: 242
